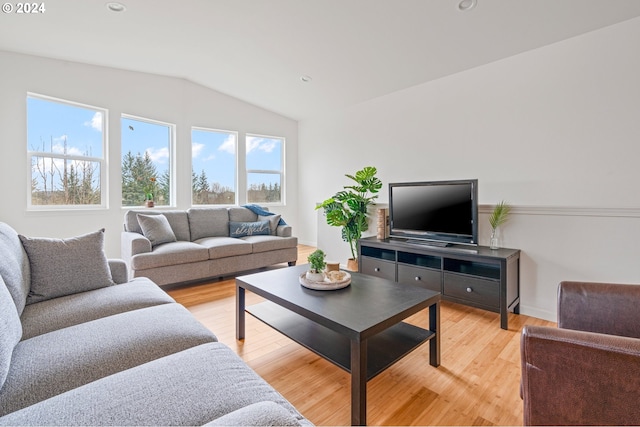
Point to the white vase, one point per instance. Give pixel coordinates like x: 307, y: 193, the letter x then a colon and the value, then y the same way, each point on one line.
x: 315, y: 277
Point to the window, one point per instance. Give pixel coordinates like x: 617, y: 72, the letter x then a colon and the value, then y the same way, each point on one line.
x: 146, y: 161
x: 65, y: 146
x: 213, y: 170
x: 265, y: 169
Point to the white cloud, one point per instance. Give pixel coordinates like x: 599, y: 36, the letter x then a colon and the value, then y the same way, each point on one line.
x: 262, y: 144
x: 96, y: 122
x: 229, y: 145
x: 158, y: 155
x: 196, y: 149
x: 59, y: 148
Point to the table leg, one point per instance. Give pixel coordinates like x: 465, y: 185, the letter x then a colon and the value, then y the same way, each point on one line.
x: 358, y: 382
x: 240, y: 314
x: 434, y: 326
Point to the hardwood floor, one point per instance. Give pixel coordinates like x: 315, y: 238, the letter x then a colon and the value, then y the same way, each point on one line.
x: 476, y: 384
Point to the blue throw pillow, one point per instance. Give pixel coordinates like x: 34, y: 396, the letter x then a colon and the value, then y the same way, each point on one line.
x: 243, y: 229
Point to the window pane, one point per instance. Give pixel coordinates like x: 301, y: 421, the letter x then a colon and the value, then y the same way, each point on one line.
x: 213, y: 167
x: 264, y: 188
x: 61, y: 181
x: 264, y: 169
x: 65, y: 145
x: 146, y: 162
x: 264, y: 153
x: 63, y: 128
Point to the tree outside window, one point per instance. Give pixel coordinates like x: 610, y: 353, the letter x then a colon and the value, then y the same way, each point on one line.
x: 146, y: 161
x: 66, y: 146
x: 213, y: 171
x: 265, y: 170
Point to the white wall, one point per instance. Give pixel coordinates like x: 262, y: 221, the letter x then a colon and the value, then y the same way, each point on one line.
x: 161, y: 98
x: 554, y: 131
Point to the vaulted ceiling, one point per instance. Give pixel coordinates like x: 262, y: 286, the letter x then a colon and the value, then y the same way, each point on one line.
x: 258, y: 50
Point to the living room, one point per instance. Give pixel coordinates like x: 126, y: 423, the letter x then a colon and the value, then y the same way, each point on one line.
x: 551, y: 128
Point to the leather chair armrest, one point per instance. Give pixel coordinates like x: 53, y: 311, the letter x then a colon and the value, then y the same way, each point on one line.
x: 119, y: 271
x: 605, y: 308
x: 579, y: 378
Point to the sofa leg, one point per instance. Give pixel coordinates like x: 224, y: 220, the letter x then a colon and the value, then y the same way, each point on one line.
x: 291, y: 263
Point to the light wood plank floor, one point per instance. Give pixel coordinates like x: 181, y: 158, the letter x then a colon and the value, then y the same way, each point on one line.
x: 476, y: 384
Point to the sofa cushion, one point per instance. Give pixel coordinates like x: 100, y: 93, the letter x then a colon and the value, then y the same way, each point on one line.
x: 243, y: 229
x: 273, y: 221
x: 270, y: 243
x: 219, y: 382
x: 241, y: 214
x: 66, y: 266
x: 156, y: 228
x: 50, y: 364
x: 10, y: 330
x: 208, y: 222
x: 177, y: 219
x: 222, y: 247
x: 58, y: 313
x: 14, y: 267
x: 170, y: 254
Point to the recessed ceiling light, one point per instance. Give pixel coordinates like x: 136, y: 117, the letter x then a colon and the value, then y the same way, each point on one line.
x: 465, y: 5
x: 116, y: 7
x: 306, y: 78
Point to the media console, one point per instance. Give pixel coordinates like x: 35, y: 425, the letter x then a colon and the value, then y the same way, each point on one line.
x: 472, y: 275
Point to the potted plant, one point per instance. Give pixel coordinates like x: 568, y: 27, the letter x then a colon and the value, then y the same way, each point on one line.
x: 498, y: 217
x: 149, y: 192
x: 316, y: 264
x: 349, y: 208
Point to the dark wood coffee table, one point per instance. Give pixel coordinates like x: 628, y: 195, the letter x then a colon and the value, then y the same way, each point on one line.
x: 359, y: 328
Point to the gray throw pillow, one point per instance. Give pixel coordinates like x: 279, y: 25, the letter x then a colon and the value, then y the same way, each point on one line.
x: 10, y: 330
x: 62, y: 267
x: 243, y: 229
x: 273, y: 222
x: 156, y: 228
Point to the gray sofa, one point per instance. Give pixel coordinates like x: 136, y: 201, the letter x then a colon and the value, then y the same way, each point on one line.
x: 82, y: 345
x: 200, y: 243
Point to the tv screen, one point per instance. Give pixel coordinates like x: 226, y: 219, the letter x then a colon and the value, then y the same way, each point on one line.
x: 435, y: 212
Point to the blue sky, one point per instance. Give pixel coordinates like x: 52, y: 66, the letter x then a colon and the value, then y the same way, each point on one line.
x: 212, y: 151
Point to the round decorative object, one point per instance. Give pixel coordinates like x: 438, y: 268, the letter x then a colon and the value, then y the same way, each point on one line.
x: 314, y: 277
x: 337, y: 280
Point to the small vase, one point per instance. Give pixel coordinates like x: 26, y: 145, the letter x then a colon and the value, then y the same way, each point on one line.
x: 314, y: 277
x: 494, y: 243
x: 352, y: 264
x: 149, y: 203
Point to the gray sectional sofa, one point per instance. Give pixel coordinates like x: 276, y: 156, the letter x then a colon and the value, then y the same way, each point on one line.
x: 82, y: 345
x: 202, y: 243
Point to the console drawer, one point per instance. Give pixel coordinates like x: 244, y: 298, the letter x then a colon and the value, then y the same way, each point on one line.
x: 481, y: 292
x: 423, y: 277
x: 378, y: 267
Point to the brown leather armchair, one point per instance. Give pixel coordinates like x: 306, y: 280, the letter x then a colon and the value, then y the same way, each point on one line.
x: 586, y: 371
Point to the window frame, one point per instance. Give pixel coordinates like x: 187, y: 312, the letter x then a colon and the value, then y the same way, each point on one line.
x: 280, y: 172
x: 102, y: 161
x: 236, y: 174
x: 172, y: 159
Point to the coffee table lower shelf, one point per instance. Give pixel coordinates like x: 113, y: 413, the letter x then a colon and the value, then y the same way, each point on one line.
x: 383, y: 349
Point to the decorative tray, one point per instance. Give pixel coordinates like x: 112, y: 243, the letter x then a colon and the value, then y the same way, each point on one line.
x: 326, y: 284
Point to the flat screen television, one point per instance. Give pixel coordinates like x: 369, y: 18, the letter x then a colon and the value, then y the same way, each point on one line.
x: 437, y: 212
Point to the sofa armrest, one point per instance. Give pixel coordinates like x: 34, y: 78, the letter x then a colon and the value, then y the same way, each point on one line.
x: 119, y: 271
x: 577, y: 378
x: 257, y: 414
x: 284, y: 231
x: 605, y: 308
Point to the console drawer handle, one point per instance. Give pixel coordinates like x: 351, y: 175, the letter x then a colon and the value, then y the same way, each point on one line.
x: 417, y: 278
x: 376, y: 269
x: 469, y: 290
